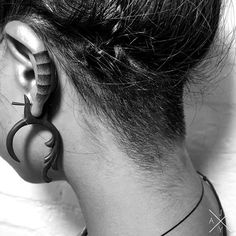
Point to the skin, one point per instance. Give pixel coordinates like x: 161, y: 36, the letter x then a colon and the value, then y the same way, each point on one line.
x: 116, y: 198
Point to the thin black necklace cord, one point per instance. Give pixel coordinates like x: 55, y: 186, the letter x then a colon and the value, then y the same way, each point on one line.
x: 85, y: 232
x: 217, y: 199
x: 196, y: 206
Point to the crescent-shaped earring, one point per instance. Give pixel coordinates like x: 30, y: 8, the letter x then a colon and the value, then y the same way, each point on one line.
x: 51, y: 160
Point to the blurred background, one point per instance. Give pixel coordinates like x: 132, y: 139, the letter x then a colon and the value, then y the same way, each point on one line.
x: 52, y: 209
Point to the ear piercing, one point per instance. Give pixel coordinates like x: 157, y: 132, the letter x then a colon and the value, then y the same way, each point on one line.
x: 45, y: 84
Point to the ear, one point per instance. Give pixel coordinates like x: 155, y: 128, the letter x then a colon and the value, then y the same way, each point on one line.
x: 37, y: 73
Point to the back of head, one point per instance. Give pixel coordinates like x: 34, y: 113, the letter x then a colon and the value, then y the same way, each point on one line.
x: 128, y: 59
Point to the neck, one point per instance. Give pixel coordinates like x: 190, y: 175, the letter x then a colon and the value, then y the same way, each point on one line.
x: 121, y: 203
x: 117, y: 200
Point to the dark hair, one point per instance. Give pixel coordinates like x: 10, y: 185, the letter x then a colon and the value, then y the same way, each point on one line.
x: 128, y: 59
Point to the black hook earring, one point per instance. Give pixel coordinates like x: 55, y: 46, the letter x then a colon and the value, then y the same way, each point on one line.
x: 51, y: 160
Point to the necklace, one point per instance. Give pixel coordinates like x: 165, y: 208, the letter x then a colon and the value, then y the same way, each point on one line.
x: 204, y: 178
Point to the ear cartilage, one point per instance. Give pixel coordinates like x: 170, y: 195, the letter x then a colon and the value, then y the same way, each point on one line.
x: 45, y: 81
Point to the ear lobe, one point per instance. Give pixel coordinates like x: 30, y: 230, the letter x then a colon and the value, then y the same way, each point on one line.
x: 35, y: 63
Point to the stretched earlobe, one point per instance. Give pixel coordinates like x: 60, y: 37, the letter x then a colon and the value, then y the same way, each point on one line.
x: 27, y: 47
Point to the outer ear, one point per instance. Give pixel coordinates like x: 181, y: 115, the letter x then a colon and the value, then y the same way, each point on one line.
x: 29, y: 50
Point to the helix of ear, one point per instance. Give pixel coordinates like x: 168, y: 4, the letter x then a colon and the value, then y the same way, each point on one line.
x: 55, y: 143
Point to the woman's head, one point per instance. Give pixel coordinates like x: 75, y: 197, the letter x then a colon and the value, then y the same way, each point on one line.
x: 128, y: 62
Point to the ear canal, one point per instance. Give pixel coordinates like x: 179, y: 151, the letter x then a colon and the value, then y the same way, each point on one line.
x: 45, y: 81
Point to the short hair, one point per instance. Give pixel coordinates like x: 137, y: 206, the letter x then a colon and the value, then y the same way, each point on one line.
x: 128, y: 59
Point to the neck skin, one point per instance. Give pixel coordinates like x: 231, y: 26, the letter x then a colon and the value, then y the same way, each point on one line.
x: 118, y: 200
